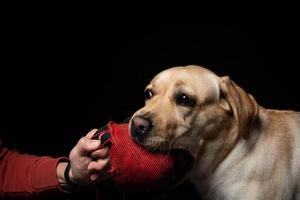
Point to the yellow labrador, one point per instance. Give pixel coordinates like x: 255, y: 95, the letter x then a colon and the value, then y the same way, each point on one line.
x: 240, y: 149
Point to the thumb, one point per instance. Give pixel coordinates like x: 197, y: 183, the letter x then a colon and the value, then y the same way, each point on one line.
x: 91, y: 133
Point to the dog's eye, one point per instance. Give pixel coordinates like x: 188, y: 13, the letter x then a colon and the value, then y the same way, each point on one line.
x: 184, y: 100
x: 148, y: 94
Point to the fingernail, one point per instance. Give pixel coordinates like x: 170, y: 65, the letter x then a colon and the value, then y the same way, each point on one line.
x: 94, y: 177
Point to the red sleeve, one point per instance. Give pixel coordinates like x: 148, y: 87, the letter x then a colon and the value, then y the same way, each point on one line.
x: 23, y: 175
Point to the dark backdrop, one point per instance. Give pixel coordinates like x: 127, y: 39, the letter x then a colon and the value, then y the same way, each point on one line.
x: 65, y: 73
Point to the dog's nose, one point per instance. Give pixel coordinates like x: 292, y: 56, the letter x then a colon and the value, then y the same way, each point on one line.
x: 140, y: 126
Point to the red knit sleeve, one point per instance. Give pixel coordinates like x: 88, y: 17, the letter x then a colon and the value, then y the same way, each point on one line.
x: 27, y: 175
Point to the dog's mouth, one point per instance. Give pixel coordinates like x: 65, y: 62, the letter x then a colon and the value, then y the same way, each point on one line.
x: 183, y: 161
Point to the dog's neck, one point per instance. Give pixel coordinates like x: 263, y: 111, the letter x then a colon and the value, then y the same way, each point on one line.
x: 217, y: 156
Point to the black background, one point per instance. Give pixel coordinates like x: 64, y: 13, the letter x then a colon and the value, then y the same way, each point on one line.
x: 66, y: 72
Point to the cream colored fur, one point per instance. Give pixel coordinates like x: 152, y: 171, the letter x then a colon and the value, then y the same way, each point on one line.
x: 241, y: 150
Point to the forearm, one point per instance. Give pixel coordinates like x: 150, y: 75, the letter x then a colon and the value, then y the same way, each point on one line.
x: 27, y: 175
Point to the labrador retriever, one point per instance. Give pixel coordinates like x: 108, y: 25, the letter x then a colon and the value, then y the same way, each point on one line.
x: 240, y: 149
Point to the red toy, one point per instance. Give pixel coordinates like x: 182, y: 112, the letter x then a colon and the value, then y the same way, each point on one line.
x: 132, y: 166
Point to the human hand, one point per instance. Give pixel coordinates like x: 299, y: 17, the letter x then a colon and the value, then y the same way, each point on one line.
x: 88, y: 162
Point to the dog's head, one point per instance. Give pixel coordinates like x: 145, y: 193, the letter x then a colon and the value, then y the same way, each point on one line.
x: 186, y: 106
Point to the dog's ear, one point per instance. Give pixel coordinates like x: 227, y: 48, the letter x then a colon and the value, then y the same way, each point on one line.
x: 243, y: 106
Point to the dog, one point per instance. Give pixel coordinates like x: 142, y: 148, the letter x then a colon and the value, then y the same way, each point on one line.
x: 240, y: 150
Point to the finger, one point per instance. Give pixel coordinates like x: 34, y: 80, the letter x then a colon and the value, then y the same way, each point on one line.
x: 100, y: 153
x: 86, y: 146
x: 98, y: 165
x: 91, y: 133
